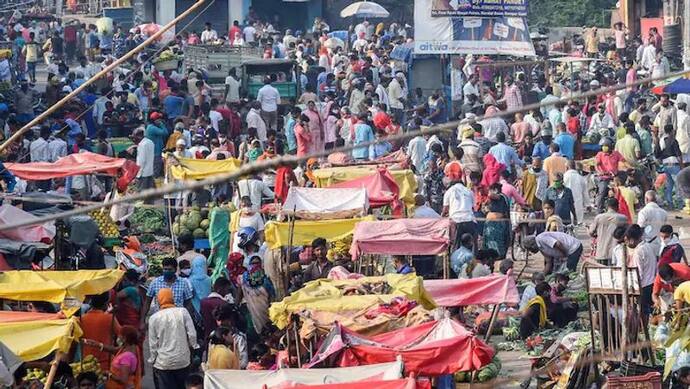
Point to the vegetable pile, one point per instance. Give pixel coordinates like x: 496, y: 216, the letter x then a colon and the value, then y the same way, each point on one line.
x: 486, y: 373
x: 106, y: 225
x: 148, y: 220
x: 194, y: 222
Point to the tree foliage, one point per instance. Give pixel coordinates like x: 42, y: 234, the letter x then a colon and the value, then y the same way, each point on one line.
x: 570, y: 13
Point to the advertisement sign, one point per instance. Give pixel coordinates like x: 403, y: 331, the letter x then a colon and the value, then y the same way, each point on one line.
x: 481, y: 8
x: 469, y: 35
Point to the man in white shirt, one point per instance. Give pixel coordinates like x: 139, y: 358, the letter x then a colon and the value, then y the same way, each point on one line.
x: 38, y: 149
x: 650, y: 218
x: 458, y: 205
x: 269, y: 97
x: 232, y: 87
x: 422, y: 210
x: 57, y: 147
x: 648, y: 56
x: 644, y: 258
x: 470, y: 88
x: 254, y: 120
x: 214, y: 116
x: 416, y: 150
x: 209, y: 35
x: 396, y: 96
x: 683, y: 130
x: 256, y: 189
x: 171, y: 335
x: 601, y: 120
x: 249, y: 33
x: 555, y: 247
x: 145, y: 151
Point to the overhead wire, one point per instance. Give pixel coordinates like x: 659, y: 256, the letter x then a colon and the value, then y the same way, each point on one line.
x: 259, y: 166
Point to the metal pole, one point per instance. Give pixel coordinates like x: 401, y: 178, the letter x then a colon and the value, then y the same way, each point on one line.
x: 100, y: 74
x: 624, y: 305
x: 686, y: 34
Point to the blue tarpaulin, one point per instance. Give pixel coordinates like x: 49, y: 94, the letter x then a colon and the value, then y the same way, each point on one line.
x: 402, y: 52
x: 681, y: 85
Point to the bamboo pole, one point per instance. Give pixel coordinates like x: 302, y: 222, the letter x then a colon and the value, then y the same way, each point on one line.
x: 53, y: 370
x: 37, y: 120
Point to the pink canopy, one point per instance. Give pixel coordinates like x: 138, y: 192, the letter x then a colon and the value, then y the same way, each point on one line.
x: 402, y: 383
x: 381, y: 190
x: 401, y: 237
x: 75, y: 165
x: 430, y: 349
x: 493, y: 289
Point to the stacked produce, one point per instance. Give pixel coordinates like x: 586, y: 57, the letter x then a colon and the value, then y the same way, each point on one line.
x: 106, y: 225
x: 89, y: 363
x: 486, y: 373
x: 195, y: 222
x: 148, y: 220
x: 36, y: 374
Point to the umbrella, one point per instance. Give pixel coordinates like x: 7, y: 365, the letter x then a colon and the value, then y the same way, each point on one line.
x: 364, y: 9
x: 681, y: 85
x: 332, y: 43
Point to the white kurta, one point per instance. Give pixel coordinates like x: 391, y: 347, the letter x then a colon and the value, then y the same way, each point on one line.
x: 578, y: 185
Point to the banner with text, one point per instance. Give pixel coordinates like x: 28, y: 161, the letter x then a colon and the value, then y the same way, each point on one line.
x: 480, y: 8
x: 469, y: 35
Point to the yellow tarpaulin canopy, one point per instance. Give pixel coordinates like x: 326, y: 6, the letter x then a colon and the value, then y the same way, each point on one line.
x: 197, y: 169
x: 55, y: 286
x: 328, y: 295
x: 404, y: 178
x: 32, y: 340
x: 305, y: 231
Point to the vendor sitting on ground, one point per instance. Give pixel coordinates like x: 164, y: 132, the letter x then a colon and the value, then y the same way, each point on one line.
x: 402, y: 266
x: 668, y: 277
x: 530, y: 289
x: 535, y: 314
x: 479, y: 266
x: 562, y: 309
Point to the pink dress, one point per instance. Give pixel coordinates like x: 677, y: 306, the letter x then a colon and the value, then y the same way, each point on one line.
x: 315, y: 130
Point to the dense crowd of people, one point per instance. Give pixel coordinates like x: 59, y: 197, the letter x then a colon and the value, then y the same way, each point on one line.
x: 212, y: 312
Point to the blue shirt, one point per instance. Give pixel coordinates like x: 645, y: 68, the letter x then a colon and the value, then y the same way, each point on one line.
x: 460, y: 257
x: 74, y: 130
x: 158, y: 136
x: 505, y: 155
x: 363, y: 134
x: 566, y: 143
x: 181, y: 290
x: 106, y: 41
x: 541, y: 150
x: 143, y: 99
x: 406, y: 269
x: 173, y: 106
x: 8, y: 177
x: 379, y: 149
x: 290, y: 134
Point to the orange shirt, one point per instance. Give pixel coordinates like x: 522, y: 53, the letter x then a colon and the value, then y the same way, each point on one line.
x: 680, y: 271
x: 101, y: 327
x: 555, y: 164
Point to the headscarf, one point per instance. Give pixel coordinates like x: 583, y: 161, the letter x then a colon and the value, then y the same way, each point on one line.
x: 165, y: 299
x: 255, y: 278
x: 490, y: 111
x: 235, y: 266
x: 309, y: 172
x: 282, y: 183
x: 201, y: 282
x: 492, y: 170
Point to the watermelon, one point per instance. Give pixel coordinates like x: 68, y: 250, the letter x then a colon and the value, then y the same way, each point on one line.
x: 199, y: 233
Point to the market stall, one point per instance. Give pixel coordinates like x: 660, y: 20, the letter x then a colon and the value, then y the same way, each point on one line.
x: 405, y: 179
x: 429, y: 349
x: 382, y: 190
x: 260, y: 379
x: 34, y: 336
x: 74, y: 165
x: 399, y: 237
x: 278, y: 234
x: 198, y: 169
x: 326, y: 203
x: 68, y: 288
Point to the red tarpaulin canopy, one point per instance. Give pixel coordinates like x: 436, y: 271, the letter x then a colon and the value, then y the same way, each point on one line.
x: 493, y: 289
x: 381, y: 190
x: 401, y: 237
x: 430, y: 349
x: 75, y: 165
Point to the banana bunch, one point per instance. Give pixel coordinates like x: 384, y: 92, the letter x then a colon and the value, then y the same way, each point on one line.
x: 106, y: 225
x: 89, y: 363
x: 36, y: 374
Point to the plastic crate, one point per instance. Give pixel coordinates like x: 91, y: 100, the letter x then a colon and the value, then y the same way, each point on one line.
x: 647, y: 381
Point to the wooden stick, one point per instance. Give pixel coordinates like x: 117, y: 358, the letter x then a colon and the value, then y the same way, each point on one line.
x: 37, y: 120
x: 53, y: 370
x: 494, y: 315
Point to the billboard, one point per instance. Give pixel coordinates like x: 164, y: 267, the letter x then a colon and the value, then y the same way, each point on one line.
x: 479, y: 8
x: 469, y: 35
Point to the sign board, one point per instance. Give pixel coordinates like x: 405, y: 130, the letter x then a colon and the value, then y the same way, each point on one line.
x: 609, y: 280
x: 480, y: 8
x: 469, y: 35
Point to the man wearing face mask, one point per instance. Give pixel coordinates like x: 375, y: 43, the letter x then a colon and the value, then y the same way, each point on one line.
x: 564, y: 203
x: 602, y: 122
x: 644, y: 258
x: 666, y: 112
x: 606, y: 166
x: 181, y: 290
x: 670, y: 276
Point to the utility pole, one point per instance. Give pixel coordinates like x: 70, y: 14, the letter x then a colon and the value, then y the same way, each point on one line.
x: 686, y: 34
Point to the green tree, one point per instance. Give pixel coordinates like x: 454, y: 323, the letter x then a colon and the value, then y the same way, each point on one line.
x: 569, y: 13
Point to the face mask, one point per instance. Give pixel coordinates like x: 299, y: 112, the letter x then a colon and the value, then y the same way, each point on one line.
x: 536, y: 169
x: 557, y: 184
x: 168, y: 275
x: 605, y: 149
x: 185, y: 272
